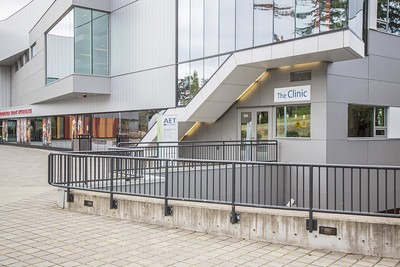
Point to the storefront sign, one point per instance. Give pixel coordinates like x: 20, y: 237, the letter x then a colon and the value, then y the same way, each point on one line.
x: 16, y: 112
x: 290, y: 94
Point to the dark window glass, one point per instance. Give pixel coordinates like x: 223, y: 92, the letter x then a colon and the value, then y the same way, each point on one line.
x: 226, y: 25
x: 211, y: 27
x: 244, y: 24
x: 360, y: 121
x: 380, y: 116
x: 284, y: 20
x: 263, y: 21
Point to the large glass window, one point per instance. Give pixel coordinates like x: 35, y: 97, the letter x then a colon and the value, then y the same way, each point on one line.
x: 78, y: 44
x: 388, y: 16
x: 293, y: 121
x: 263, y: 21
x: 209, y: 28
x: 366, y: 121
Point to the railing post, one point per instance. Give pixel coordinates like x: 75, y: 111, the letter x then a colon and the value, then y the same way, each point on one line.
x: 223, y: 150
x: 167, y: 210
x: 234, y: 216
x: 70, y: 197
x: 113, y: 204
x: 311, y: 224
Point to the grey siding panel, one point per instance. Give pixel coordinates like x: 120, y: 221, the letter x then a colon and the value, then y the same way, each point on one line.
x: 357, y: 69
x: 347, y: 89
x: 384, y: 44
x: 142, y: 37
x: 384, y: 93
x: 5, y: 85
x: 384, y: 69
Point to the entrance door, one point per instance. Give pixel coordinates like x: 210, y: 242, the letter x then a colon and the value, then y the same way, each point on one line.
x: 254, y: 124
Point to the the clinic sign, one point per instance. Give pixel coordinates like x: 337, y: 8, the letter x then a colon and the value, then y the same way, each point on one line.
x: 291, y: 94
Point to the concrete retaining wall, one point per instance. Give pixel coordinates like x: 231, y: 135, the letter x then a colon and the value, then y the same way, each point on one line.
x: 355, y: 234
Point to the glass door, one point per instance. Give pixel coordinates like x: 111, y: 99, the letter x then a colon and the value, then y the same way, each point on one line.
x: 254, y: 125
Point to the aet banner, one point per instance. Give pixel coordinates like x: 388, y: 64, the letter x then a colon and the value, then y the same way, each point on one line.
x: 292, y: 94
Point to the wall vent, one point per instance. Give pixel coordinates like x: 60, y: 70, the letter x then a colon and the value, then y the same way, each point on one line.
x: 300, y: 76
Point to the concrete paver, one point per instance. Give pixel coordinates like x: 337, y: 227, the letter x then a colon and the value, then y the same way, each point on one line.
x: 34, y: 231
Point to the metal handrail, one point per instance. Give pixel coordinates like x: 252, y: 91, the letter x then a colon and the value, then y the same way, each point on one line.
x: 345, y: 189
x: 249, y: 150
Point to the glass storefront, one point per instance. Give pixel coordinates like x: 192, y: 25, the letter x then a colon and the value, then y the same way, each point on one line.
x: 50, y: 131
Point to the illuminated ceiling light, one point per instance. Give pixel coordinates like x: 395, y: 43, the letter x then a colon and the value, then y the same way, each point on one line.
x: 251, y: 85
x: 190, y: 130
x: 302, y: 65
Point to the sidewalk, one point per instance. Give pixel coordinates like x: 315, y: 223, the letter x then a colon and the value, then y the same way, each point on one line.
x: 35, y: 231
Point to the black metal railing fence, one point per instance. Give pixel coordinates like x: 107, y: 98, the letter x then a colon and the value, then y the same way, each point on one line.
x: 347, y: 189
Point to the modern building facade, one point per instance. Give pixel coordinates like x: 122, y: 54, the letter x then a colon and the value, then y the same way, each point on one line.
x: 320, y: 76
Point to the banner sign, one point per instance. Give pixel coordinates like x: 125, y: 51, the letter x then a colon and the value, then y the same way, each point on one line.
x: 291, y: 94
x: 167, y: 131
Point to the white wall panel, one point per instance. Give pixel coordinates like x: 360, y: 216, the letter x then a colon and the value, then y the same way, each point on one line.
x: 115, y: 4
x: 142, y: 36
x: 5, y: 85
x: 15, y: 29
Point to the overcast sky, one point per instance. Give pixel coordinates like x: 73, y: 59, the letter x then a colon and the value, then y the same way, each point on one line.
x: 9, y: 7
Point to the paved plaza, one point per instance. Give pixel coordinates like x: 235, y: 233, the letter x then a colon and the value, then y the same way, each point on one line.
x: 34, y: 231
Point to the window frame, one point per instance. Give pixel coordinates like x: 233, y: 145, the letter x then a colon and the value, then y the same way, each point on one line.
x: 375, y: 127
x: 275, y: 126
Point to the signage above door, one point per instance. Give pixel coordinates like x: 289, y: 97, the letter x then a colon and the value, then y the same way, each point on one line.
x: 291, y: 94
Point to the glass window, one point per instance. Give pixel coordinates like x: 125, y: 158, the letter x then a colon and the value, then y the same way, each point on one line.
x: 263, y: 21
x: 78, y: 44
x: 210, y: 27
x: 183, y: 84
x: 307, y: 17
x: 197, y: 77
x: 33, y: 50
x: 196, y: 29
x: 293, y: 121
x: 183, y: 30
x: 394, y: 17
x: 333, y: 15
x: 360, y: 121
x: 210, y: 67
x: 83, y: 49
x: 60, y: 49
x: 226, y: 25
x: 284, y: 20
x: 380, y: 122
x: 244, y: 24
x: 100, y: 44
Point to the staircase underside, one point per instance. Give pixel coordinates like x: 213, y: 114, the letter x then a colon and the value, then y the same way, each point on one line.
x: 244, y: 67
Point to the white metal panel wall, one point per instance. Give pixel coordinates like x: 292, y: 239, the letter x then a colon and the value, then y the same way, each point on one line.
x: 142, y: 36
x: 5, y: 85
x: 137, y: 91
x: 115, y: 4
